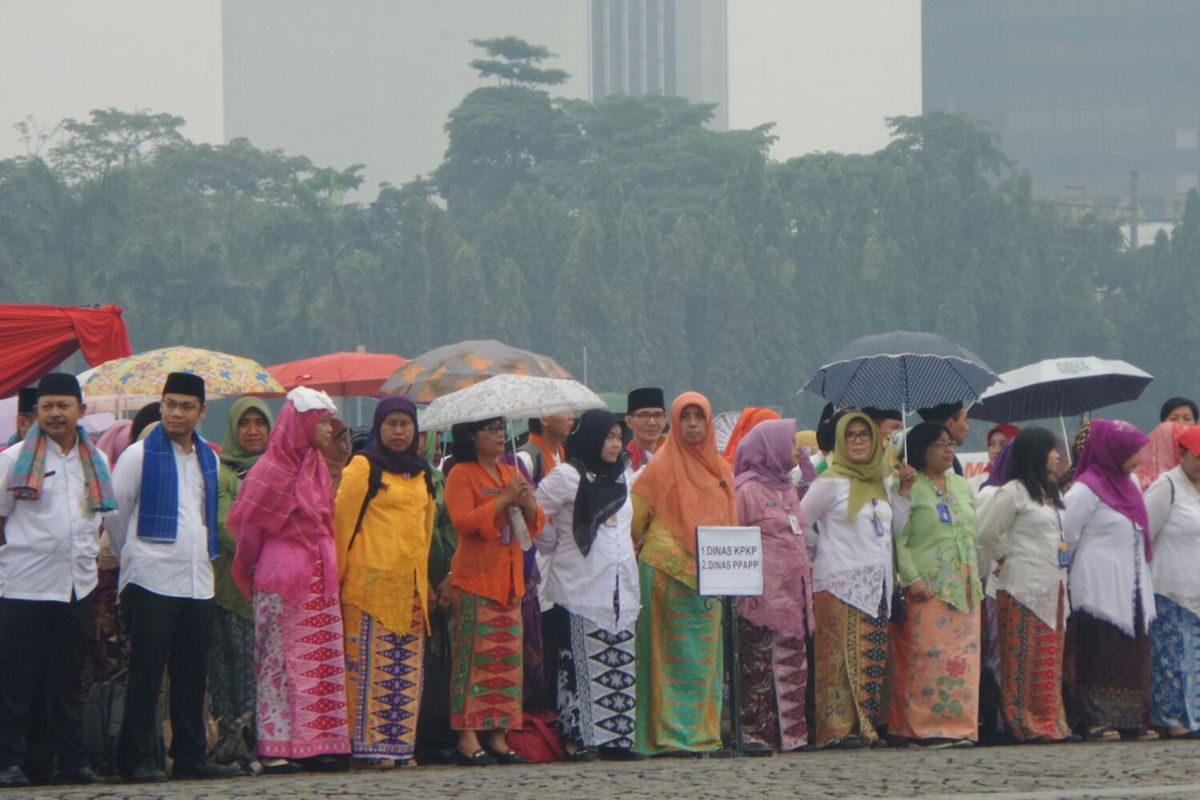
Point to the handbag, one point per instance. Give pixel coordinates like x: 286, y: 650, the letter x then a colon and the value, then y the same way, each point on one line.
x: 536, y: 741
x: 899, y: 605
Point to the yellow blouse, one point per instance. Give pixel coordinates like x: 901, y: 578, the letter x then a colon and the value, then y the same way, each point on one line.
x: 657, y: 547
x: 388, y: 563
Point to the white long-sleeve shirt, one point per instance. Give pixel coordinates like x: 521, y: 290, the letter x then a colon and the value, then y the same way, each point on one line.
x: 1027, y: 535
x: 52, y: 541
x: 851, y: 560
x: 172, y: 569
x: 1108, y: 561
x: 1175, y: 528
x: 587, y: 585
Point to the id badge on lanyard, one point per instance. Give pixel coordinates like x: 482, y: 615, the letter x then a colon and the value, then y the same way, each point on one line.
x: 876, y: 519
x: 1064, y: 552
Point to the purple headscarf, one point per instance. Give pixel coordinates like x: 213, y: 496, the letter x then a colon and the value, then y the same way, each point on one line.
x: 408, y: 462
x: 1000, y: 466
x: 765, y: 455
x: 1101, y: 469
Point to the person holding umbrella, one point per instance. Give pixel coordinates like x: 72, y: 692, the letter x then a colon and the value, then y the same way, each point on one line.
x: 933, y: 668
x: 488, y: 574
x: 850, y: 524
x: 679, y: 653
x: 1112, y: 597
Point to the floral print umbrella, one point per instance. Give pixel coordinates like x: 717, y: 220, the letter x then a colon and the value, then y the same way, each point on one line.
x: 129, y: 383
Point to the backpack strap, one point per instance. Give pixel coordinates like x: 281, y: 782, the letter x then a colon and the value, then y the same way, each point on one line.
x: 539, y: 461
x: 374, y: 484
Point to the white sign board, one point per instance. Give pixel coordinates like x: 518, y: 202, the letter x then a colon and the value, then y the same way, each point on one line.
x: 729, y: 561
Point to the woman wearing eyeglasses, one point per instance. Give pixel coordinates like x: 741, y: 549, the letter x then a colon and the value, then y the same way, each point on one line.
x: 933, y: 669
x: 488, y: 574
x: 850, y: 529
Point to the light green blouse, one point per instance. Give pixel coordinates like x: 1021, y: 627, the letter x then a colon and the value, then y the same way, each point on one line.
x: 942, y: 554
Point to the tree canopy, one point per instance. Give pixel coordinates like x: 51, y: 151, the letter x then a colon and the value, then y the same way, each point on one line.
x: 676, y: 255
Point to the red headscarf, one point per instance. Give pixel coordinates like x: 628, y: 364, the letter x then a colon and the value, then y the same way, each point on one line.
x: 689, y: 484
x: 1161, y: 455
x: 749, y: 417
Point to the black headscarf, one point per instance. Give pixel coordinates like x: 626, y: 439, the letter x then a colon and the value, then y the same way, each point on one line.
x: 602, y: 489
x: 408, y: 462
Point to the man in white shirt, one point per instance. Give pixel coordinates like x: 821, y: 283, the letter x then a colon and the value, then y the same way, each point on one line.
x: 165, y: 535
x: 55, y: 487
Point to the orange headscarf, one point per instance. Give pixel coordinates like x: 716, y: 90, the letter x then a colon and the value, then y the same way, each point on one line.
x: 689, y: 484
x: 749, y: 417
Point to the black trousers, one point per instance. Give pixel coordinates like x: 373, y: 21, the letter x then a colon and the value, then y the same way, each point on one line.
x: 172, y: 634
x: 42, y: 647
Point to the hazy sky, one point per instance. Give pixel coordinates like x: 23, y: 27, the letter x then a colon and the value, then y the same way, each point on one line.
x: 827, y: 71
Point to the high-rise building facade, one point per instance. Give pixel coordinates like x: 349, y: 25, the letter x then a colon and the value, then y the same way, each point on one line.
x: 1098, y: 99
x: 670, y: 47
x: 373, y: 81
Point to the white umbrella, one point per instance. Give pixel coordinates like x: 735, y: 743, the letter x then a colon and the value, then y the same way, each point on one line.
x: 511, y: 396
x: 1060, y: 387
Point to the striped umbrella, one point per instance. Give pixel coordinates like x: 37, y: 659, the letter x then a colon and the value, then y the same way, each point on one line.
x: 904, y: 371
x: 1060, y: 387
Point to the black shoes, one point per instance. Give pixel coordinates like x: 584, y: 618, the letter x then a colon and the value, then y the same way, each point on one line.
x: 78, y: 777
x: 13, y: 777
x: 144, y: 774
x: 204, y: 771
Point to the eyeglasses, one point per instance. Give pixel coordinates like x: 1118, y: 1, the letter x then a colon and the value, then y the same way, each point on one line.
x: 858, y: 436
x: 494, y: 427
x: 187, y: 408
x: 944, y: 445
x: 649, y: 415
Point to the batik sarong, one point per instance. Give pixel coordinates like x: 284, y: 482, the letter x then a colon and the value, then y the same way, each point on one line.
x: 597, y: 691
x: 1031, y: 658
x: 1174, y: 666
x: 1106, y: 673
x: 850, y: 667
x: 383, y: 683
x: 486, y: 680
x: 772, y: 683
x: 680, y: 666
x: 933, y: 673
x: 301, y: 667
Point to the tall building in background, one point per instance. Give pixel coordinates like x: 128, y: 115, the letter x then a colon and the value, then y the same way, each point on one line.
x: 373, y: 81
x: 1098, y: 99
x: 670, y: 47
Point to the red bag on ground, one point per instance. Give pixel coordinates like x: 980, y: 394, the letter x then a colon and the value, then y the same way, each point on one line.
x: 537, y: 740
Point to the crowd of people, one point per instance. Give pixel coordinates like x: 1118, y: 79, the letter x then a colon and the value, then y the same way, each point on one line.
x: 293, y: 600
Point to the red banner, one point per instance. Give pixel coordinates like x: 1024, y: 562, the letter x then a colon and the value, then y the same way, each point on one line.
x: 36, y: 339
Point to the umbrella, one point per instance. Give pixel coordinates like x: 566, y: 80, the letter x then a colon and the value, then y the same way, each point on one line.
x: 723, y: 425
x: 509, y: 396
x: 457, y: 366
x: 339, y: 374
x: 131, y: 382
x: 1060, y: 387
x: 901, y: 370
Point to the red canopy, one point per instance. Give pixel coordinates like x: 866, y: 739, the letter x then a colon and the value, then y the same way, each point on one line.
x: 36, y: 339
x: 339, y: 374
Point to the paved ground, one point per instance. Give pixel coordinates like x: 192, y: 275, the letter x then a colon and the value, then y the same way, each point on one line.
x: 1096, y: 770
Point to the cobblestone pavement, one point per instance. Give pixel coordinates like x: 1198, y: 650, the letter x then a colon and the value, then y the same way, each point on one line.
x: 1095, y: 770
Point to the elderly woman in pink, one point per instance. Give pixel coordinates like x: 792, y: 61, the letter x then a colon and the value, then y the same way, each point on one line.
x: 774, y: 666
x: 286, y: 563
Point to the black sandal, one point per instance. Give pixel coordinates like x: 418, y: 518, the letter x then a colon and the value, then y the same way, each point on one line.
x: 480, y: 758
x: 582, y: 755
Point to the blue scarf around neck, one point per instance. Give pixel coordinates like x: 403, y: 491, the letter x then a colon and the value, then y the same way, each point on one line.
x: 158, y: 506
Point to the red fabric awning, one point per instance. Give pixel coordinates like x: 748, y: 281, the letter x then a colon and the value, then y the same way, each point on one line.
x: 36, y: 339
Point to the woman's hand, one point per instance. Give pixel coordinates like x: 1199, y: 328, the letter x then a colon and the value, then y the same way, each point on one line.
x: 511, y: 493
x: 918, y: 592
x: 908, y: 476
x: 444, y: 594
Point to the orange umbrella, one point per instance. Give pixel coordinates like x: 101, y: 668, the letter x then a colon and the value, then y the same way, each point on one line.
x: 339, y: 374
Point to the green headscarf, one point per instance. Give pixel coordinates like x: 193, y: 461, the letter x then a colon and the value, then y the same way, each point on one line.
x: 866, y: 480
x: 232, y: 454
